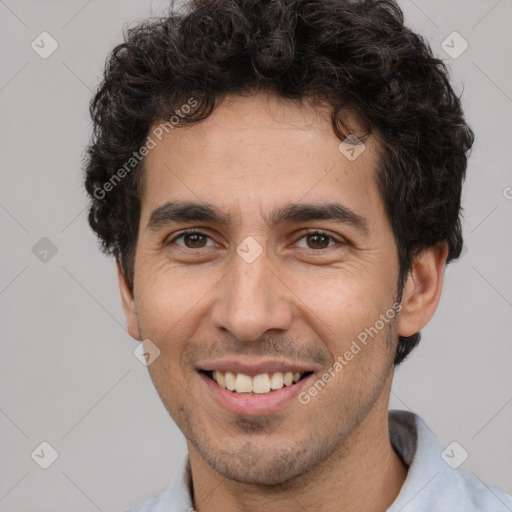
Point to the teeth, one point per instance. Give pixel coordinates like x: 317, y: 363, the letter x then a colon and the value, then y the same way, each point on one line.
x: 230, y: 379
x: 259, y: 384
x: 220, y: 378
x: 276, y: 382
x: 243, y: 383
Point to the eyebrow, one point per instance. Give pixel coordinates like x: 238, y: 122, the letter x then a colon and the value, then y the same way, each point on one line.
x: 187, y: 211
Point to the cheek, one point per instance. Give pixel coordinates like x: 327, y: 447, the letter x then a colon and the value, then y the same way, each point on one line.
x: 169, y: 301
x: 340, y: 305
x: 347, y: 318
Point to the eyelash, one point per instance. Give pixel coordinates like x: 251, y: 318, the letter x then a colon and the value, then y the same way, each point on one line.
x: 307, y: 233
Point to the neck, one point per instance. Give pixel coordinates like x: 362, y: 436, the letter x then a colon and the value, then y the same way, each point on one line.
x: 364, y: 473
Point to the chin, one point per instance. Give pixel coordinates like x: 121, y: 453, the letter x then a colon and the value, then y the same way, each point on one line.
x: 265, y: 473
x: 254, y: 464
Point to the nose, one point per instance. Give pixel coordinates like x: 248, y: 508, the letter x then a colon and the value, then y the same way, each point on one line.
x: 253, y: 299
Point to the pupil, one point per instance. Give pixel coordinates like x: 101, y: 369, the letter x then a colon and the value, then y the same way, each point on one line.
x: 317, y: 237
x: 195, y: 238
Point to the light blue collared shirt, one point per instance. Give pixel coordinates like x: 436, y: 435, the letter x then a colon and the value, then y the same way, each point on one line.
x: 432, y: 485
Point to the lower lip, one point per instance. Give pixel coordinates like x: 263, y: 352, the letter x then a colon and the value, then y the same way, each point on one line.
x: 254, y: 405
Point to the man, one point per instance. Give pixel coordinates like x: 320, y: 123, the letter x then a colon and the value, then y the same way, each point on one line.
x: 280, y: 185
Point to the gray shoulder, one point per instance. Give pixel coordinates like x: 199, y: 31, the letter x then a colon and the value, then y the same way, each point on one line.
x: 473, y: 495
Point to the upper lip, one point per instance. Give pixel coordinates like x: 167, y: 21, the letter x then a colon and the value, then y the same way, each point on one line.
x: 254, y: 368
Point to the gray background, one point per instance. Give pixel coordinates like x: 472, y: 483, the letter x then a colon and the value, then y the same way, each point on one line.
x: 68, y: 375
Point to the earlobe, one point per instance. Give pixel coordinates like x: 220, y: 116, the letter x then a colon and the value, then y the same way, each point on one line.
x: 129, y: 307
x: 422, y: 289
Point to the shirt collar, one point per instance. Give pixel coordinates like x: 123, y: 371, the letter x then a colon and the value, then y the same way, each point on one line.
x: 420, y: 451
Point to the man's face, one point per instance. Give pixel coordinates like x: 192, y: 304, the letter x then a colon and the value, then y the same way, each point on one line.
x: 266, y: 293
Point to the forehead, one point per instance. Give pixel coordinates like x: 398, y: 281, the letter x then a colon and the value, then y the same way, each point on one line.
x: 258, y: 151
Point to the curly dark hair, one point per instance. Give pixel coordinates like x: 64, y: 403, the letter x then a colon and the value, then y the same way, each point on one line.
x: 353, y: 56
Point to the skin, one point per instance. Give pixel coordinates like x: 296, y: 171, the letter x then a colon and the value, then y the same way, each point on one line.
x: 303, y: 300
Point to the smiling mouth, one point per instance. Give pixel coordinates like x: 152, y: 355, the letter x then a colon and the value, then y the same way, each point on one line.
x: 256, y: 385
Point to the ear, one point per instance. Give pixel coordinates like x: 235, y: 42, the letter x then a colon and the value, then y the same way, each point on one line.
x: 422, y: 289
x: 130, y: 310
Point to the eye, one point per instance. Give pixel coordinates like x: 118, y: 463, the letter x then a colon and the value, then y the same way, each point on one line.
x: 318, y: 240
x: 192, y: 239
